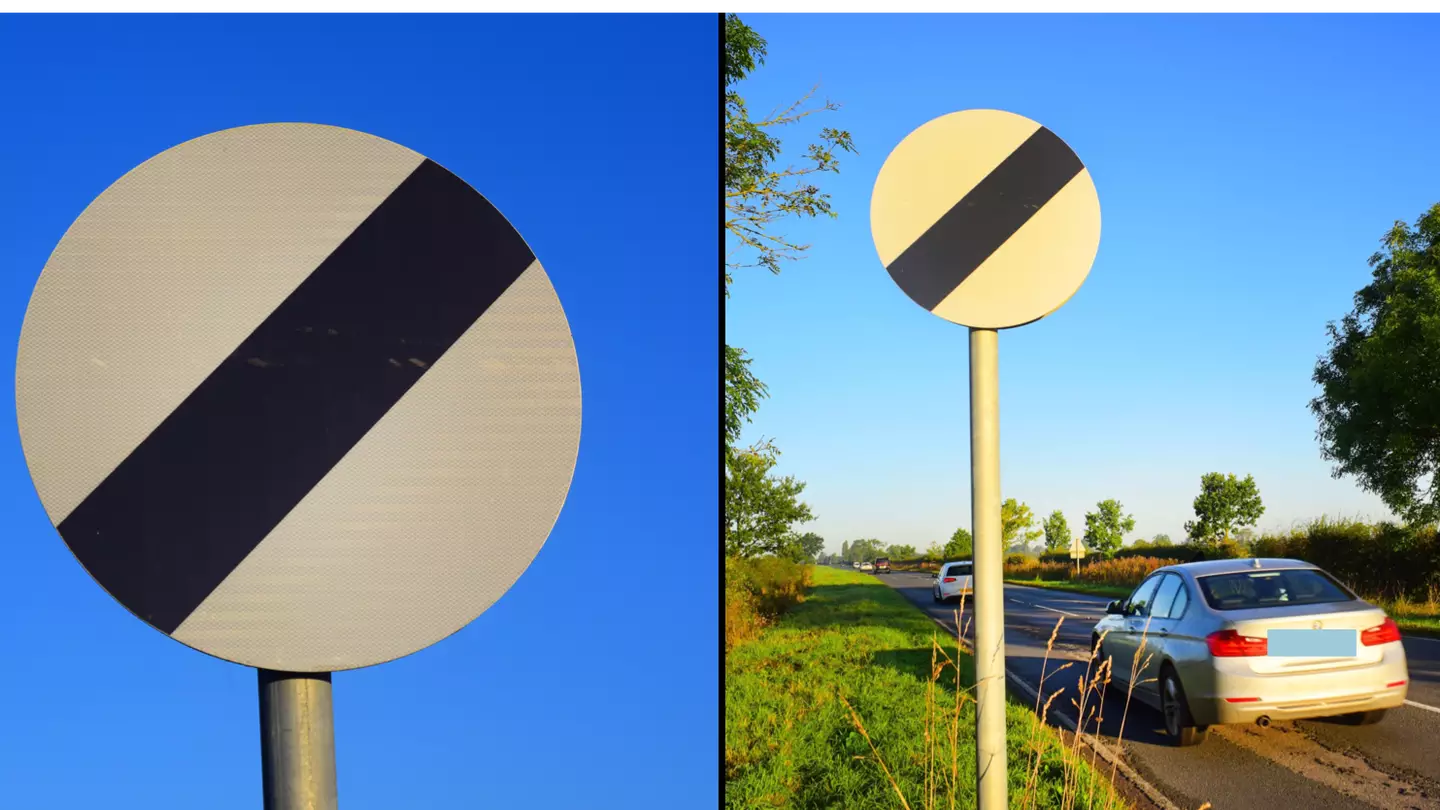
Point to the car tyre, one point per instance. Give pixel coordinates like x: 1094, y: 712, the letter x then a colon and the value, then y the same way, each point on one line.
x: 1175, y: 710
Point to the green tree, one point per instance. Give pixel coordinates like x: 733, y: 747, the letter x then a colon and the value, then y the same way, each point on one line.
x: 845, y: 551
x: 935, y: 552
x: 758, y: 196
x: 1016, y: 525
x: 758, y: 192
x: 1106, y: 527
x: 1224, y: 504
x: 1379, y: 403
x: 743, y: 392
x: 1057, y: 532
x: 866, y: 548
x: 761, y: 509
x: 899, y: 552
x: 1161, y: 540
x: 810, y: 544
x: 961, y: 545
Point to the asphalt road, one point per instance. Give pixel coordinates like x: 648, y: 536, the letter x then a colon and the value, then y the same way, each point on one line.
x: 1316, y: 765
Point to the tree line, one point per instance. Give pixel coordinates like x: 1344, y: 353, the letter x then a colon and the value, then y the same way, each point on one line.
x: 1226, y: 511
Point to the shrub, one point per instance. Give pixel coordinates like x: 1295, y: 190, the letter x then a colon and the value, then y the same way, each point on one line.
x: 1381, y: 561
x: 759, y: 590
x: 1020, y: 558
x: 1032, y: 568
x: 1122, y: 571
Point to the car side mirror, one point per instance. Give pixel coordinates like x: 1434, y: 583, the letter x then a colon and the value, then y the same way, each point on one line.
x: 934, y: 574
x: 1114, y: 607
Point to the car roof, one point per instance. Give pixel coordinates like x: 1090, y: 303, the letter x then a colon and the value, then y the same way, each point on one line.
x: 1208, y: 567
x: 959, y: 562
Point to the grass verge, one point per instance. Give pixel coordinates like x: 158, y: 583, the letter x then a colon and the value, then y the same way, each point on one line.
x: 1422, y: 619
x: 1113, y: 591
x: 852, y: 701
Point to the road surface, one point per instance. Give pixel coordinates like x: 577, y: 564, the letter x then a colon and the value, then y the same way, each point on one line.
x: 1315, y: 765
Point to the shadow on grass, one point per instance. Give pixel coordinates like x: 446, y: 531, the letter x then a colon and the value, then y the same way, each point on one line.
x: 854, y: 606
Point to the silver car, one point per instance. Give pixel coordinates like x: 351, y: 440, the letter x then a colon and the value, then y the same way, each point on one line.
x: 1239, y: 641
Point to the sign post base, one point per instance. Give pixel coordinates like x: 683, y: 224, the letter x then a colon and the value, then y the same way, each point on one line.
x: 297, y: 740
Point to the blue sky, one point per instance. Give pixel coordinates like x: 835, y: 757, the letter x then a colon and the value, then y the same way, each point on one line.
x: 1247, y: 168
x: 587, y: 685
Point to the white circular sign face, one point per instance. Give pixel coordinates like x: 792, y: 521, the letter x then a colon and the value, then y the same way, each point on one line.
x: 298, y: 397
x: 986, y: 219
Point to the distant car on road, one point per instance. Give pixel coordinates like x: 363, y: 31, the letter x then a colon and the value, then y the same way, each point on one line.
x: 882, y: 564
x: 855, y: 563
x: 1240, y: 641
x: 867, y: 566
x: 953, y: 579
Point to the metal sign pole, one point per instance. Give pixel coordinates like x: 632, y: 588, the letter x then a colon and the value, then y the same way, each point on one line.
x: 297, y: 740
x: 989, y: 585
x: 987, y: 220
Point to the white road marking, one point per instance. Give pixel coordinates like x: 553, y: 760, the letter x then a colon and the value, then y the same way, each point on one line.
x: 1422, y: 706
x: 1042, y: 607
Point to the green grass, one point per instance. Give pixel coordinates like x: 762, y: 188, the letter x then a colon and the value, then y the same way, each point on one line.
x: 791, y: 741
x: 1116, y: 591
x: 1415, y: 618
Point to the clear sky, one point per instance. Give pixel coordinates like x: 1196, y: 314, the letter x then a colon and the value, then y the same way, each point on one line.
x: 1246, y: 167
x: 590, y: 684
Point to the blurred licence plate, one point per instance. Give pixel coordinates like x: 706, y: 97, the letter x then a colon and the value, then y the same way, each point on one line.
x: 1311, y: 643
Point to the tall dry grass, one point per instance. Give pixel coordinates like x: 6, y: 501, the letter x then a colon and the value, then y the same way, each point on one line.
x: 1091, y: 687
x: 1122, y: 571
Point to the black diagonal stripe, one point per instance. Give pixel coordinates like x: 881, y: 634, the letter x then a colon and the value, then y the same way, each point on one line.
x: 201, y: 492
x: 961, y: 240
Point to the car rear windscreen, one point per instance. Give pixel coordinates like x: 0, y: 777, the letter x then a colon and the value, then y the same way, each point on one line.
x: 962, y: 570
x: 1260, y: 589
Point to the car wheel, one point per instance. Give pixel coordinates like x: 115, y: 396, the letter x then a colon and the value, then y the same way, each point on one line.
x: 1176, y: 711
x: 935, y: 594
x: 1369, y: 718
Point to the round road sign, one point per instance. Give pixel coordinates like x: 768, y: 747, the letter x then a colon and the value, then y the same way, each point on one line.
x: 298, y: 397
x: 986, y: 219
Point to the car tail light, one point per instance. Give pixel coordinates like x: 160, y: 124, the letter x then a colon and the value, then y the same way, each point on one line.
x: 948, y: 579
x: 1230, y: 644
x: 1242, y: 700
x: 1383, y: 633
x: 1394, y: 684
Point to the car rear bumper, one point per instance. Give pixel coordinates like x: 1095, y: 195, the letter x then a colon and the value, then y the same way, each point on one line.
x: 1297, y: 696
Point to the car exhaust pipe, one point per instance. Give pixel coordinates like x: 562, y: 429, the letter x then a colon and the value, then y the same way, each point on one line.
x: 1263, y: 721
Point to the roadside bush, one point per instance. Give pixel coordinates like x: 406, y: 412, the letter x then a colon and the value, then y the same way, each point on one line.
x: 1126, y: 572
x: 1034, y: 569
x: 1020, y: 558
x: 1381, y: 560
x: 759, y: 590
x: 1122, y: 571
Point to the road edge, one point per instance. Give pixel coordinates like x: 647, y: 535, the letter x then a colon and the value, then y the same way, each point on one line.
x: 1104, y: 751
